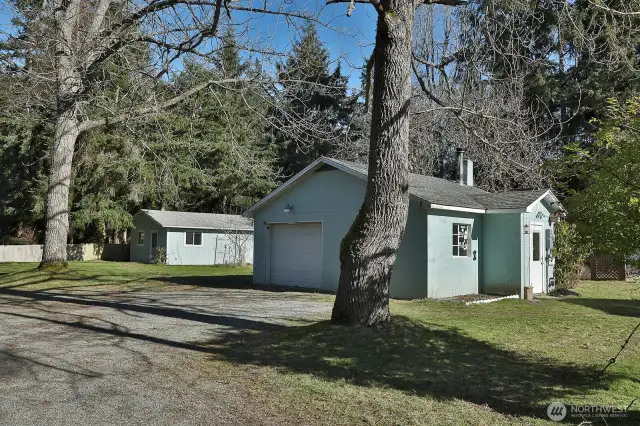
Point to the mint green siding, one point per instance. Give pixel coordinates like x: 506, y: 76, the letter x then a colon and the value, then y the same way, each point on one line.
x: 501, y: 253
x: 448, y: 275
x: 409, y: 278
x: 333, y: 198
x: 498, y: 261
x: 507, y: 250
x: 216, y: 248
x: 329, y: 197
x: 142, y: 253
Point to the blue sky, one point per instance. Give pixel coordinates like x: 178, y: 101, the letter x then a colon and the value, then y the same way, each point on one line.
x: 348, y: 39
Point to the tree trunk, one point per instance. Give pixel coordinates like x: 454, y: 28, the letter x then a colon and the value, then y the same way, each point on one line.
x: 68, y: 86
x: 57, y: 225
x: 368, y: 251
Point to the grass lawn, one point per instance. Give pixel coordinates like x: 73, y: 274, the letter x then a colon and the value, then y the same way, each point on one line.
x: 437, y: 363
x: 447, y: 363
x: 107, y: 275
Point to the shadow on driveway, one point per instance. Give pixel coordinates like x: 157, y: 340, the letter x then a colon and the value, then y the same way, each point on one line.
x: 235, y: 282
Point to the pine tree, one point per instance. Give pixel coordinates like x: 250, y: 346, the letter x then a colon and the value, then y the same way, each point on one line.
x: 310, y: 92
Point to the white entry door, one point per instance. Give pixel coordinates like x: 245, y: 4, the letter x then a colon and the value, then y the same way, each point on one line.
x: 536, y: 260
x: 296, y: 254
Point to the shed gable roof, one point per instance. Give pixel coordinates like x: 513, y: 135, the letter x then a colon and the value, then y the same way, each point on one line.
x: 172, y: 219
x: 439, y: 193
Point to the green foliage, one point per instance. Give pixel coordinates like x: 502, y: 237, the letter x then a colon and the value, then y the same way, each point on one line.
x: 570, y: 252
x: 313, y: 94
x: 160, y: 256
x: 573, y: 56
x: 24, y: 140
x: 606, y: 203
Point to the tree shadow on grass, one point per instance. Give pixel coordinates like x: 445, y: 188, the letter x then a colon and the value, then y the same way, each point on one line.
x: 621, y: 307
x: 417, y: 359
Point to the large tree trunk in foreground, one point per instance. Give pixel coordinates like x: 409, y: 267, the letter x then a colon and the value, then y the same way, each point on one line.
x: 57, y: 229
x: 368, y: 252
x: 68, y: 86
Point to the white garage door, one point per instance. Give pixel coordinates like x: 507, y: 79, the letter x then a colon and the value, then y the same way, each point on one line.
x: 296, y: 254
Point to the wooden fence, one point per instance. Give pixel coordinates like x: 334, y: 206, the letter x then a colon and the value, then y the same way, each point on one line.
x: 76, y: 252
x: 604, y: 267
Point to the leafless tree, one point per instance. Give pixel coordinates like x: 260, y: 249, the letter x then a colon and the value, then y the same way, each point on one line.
x: 69, y: 45
x: 369, y: 249
x: 487, y: 112
x: 237, y: 243
x: 458, y: 102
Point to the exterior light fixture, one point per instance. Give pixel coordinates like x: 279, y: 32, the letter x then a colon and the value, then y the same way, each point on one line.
x: 287, y: 209
x: 526, y: 229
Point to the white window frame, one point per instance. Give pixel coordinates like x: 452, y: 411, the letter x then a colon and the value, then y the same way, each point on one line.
x: 194, y: 239
x: 138, y: 240
x: 469, y: 240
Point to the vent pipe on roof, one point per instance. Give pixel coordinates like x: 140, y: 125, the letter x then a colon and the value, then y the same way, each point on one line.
x: 465, y: 169
x: 469, y: 173
x: 460, y: 153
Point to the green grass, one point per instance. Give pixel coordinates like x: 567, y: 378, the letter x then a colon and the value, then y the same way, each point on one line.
x: 436, y: 363
x: 99, y: 275
x: 447, y: 363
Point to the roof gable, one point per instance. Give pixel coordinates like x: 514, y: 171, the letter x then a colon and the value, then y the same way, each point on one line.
x: 438, y: 193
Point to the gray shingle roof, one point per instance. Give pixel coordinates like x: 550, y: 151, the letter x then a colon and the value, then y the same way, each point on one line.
x: 510, y: 200
x: 432, y: 189
x: 448, y: 193
x: 169, y: 219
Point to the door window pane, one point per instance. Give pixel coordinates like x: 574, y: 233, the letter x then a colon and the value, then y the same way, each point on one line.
x: 154, y: 239
x: 536, y: 246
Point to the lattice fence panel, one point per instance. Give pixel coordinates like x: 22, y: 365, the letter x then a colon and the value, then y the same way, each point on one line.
x: 605, y: 267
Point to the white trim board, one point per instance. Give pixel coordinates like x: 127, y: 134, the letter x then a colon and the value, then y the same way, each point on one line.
x: 457, y: 209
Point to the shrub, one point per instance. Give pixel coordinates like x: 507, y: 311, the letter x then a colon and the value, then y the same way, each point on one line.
x: 570, y: 252
x: 160, y: 257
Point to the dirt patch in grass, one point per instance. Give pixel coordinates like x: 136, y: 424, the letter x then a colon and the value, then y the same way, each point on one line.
x: 470, y: 298
x: 563, y: 292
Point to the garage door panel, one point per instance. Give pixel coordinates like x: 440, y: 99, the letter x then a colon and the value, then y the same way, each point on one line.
x: 296, y: 254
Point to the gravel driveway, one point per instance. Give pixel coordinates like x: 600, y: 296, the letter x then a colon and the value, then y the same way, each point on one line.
x: 116, y: 358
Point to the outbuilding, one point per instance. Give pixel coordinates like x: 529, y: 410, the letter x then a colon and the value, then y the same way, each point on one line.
x: 182, y: 238
x: 459, y: 238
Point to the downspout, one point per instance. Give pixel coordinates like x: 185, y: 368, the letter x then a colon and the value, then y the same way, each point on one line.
x: 215, y: 251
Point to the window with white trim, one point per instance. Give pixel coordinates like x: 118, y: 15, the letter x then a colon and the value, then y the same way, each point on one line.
x: 193, y: 238
x: 140, y: 238
x: 461, y: 234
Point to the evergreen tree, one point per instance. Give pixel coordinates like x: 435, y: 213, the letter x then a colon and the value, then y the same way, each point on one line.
x: 310, y: 92
x: 573, y: 56
x: 210, y: 154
